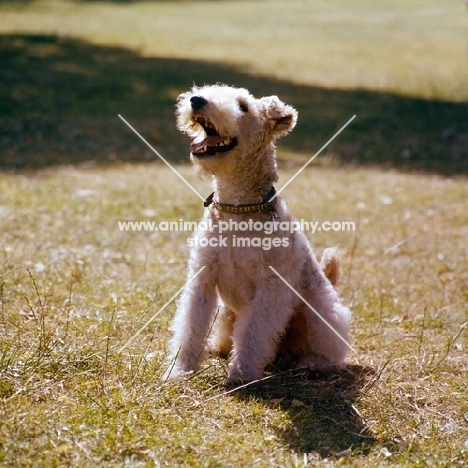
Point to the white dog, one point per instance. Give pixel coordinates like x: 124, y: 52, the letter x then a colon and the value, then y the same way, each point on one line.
x: 237, y: 305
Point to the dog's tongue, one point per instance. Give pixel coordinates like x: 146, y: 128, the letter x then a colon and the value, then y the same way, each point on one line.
x: 197, y: 147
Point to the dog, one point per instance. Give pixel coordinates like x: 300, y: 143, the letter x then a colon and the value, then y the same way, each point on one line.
x: 267, y: 298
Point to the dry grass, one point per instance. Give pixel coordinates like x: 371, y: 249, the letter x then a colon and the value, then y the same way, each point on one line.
x: 74, y: 289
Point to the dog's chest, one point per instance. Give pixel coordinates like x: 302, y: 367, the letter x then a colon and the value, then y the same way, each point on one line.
x: 242, y: 249
x: 238, y: 276
x: 241, y: 268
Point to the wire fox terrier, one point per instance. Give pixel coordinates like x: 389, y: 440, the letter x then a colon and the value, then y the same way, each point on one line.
x: 266, y: 297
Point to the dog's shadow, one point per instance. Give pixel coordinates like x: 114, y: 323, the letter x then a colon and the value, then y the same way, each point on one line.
x: 321, y: 410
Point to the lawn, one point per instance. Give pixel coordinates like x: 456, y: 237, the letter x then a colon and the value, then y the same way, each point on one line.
x: 74, y: 289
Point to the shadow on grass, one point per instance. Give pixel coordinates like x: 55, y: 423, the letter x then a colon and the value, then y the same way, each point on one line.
x: 60, y: 99
x: 321, y: 411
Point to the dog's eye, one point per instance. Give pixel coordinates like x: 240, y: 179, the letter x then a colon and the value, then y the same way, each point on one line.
x: 243, y: 107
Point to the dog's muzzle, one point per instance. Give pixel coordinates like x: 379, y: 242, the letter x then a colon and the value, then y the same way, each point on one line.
x: 213, y: 142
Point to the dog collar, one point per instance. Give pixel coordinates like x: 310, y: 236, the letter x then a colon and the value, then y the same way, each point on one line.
x: 265, y: 207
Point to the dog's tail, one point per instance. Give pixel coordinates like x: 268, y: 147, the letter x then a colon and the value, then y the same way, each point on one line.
x: 330, y: 263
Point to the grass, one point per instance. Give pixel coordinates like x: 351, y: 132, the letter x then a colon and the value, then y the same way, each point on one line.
x: 74, y: 289
x: 391, y: 48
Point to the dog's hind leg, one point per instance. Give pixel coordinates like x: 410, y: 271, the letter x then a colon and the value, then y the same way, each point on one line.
x: 327, y: 328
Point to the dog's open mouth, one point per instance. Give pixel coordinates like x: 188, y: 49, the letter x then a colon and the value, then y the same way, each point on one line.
x: 213, y: 142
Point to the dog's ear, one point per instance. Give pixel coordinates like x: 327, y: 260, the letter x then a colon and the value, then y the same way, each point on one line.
x: 280, y: 117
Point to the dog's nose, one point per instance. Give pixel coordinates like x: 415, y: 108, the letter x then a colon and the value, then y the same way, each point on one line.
x: 197, y: 102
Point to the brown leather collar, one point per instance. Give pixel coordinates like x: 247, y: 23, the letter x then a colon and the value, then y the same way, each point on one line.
x: 265, y: 207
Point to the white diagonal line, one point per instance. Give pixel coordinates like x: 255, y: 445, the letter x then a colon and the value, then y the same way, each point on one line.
x: 164, y: 160
x: 312, y: 309
x: 161, y: 309
x: 312, y: 158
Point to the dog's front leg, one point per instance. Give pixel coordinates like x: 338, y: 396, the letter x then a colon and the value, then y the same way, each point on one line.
x: 192, y: 322
x: 257, y: 331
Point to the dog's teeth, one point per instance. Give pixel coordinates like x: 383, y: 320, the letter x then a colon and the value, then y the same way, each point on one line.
x: 221, y: 144
x: 205, y: 148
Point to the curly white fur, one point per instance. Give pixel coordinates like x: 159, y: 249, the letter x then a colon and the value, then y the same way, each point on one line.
x: 256, y: 316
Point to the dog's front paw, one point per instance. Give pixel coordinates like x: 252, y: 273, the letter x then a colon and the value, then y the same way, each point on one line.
x: 234, y: 379
x: 241, y: 374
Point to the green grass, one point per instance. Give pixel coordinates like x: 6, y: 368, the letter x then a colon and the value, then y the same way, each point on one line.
x: 415, y: 47
x: 74, y: 289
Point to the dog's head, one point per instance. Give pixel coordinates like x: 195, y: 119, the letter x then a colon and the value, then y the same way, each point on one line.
x: 228, y: 123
